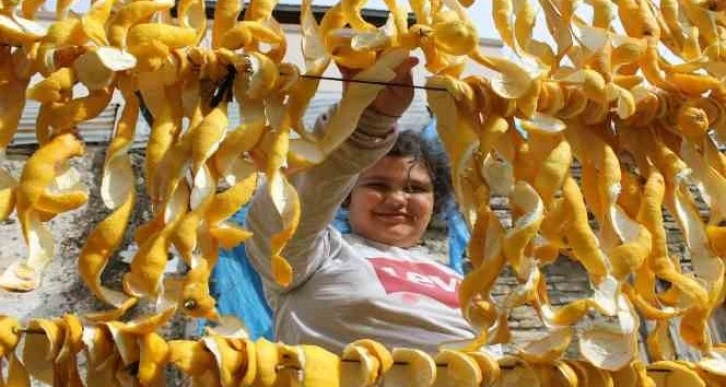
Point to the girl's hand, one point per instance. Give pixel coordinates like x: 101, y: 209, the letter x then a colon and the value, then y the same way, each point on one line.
x: 393, y: 100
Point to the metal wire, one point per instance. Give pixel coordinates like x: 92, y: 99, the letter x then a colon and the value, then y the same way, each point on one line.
x: 407, y: 85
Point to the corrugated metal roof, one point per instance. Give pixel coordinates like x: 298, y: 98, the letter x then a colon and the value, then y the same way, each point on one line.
x: 97, y: 130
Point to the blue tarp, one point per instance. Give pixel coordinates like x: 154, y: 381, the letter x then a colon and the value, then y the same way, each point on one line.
x: 238, y: 289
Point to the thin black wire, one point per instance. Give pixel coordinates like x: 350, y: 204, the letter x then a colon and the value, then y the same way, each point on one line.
x: 224, y: 90
x: 408, y: 85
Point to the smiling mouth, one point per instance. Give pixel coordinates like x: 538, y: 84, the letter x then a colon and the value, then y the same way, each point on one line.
x: 392, y: 218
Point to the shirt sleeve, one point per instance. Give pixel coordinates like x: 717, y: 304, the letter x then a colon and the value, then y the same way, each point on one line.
x: 321, y: 190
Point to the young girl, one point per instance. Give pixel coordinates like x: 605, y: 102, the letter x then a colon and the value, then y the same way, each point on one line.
x: 373, y: 283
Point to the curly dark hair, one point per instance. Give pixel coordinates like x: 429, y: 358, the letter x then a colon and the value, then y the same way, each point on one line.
x: 412, y: 144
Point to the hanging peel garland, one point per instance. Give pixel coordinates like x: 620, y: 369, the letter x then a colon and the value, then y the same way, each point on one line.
x: 601, y: 93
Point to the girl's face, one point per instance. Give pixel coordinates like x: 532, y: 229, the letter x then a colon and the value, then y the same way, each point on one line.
x: 392, y: 202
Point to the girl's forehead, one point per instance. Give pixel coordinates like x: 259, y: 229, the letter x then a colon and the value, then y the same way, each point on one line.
x: 397, y: 168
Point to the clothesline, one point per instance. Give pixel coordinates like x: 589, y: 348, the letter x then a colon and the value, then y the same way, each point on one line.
x: 283, y: 366
x: 224, y: 91
x: 398, y: 84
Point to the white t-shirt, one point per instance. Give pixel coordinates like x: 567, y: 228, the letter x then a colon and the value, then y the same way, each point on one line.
x: 346, y: 287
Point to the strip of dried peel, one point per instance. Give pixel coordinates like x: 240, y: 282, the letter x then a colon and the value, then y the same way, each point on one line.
x: 611, y: 347
x: 229, y: 360
x: 8, y: 184
x: 378, y: 40
x: 65, y: 193
x: 714, y: 362
x: 274, y: 144
x: 229, y: 326
x: 227, y: 161
x: 145, y: 276
x: 8, y: 335
x: 591, y: 374
x: 455, y: 131
x: 676, y: 373
x: 488, y: 366
x: 260, y: 10
x: 585, y: 249
x: 154, y: 354
x: 130, y: 14
x: 151, y: 43
x: 320, y: 368
x: 636, y: 245
x: 648, y: 304
x: 553, y: 155
x: 513, y: 80
x: 374, y: 359
x: 668, y: 162
x: 12, y: 100
x: 580, y: 371
x: 192, y: 14
x: 352, y: 11
x: 250, y: 373
x: 527, y: 202
x: 40, y: 350
x: 225, y: 204
x: 485, y: 251
x: 195, y: 297
x: 64, y: 116
x: 19, y: 31
x: 97, y: 348
x: 316, y: 62
x: 17, y: 375
x: 660, y: 344
x: 498, y: 174
x: 54, y: 87
x: 633, y: 374
x: 357, y: 98
x: 462, y: 370
x: 706, y: 266
x: 556, y: 373
x: 455, y: 37
x: 552, y: 229
x: 96, y: 69
x: 342, y: 48
x: 62, y: 33
x: 205, y: 140
x: 366, y: 373
x: 267, y: 358
x: 38, y: 173
x: 385, y: 359
x: 66, y: 363
x: 711, y: 183
x: 658, y: 263
x: 608, y: 188
x: 225, y: 17
x: 9, y: 339
x: 125, y: 344
x: 194, y: 360
x: 164, y: 132
x: 518, y: 373
x: 94, y: 21
x: 526, y: 291
x: 547, y: 348
x: 118, y: 194
x: 525, y: 15
x: 248, y: 35
x: 420, y: 368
